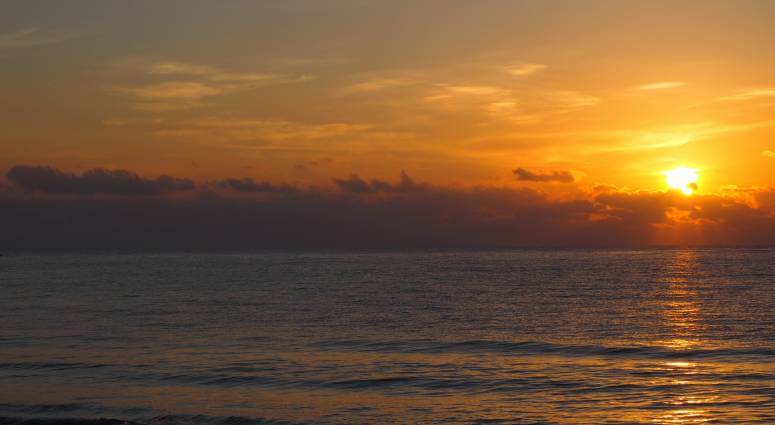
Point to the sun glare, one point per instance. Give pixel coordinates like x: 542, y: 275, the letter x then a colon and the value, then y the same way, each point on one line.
x: 683, y: 179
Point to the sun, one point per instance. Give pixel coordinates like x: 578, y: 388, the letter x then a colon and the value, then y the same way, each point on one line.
x: 683, y: 179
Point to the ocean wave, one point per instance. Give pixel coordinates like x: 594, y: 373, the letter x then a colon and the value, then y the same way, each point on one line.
x: 46, y: 409
x: 155, y: 420
x: 50, y: 365
x: 62, y: 421
x: 425, y: 346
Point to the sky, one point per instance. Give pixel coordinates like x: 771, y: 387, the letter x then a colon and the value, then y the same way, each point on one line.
x: 406, y: 123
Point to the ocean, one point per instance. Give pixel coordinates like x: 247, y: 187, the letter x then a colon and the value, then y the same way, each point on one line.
x: 673, y: 336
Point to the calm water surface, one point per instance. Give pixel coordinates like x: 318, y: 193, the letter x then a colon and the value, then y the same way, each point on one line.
x: 565, y: 337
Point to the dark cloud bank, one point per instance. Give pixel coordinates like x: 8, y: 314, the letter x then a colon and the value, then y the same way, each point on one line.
x: 45, y: 209
x: 96, y: 181
x: 554, y: 176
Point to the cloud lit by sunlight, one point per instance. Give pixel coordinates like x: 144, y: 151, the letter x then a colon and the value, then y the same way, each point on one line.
x: 661, y: 85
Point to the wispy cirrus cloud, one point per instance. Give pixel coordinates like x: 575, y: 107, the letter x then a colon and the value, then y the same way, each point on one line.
x: 180, y: 85
x: 378, y: 84
x: 768, y: 154
x: 169, y: 96
x: 750, y: 94
x: 174, y: 90
x: 677, y: 135
x: 568, y: 99
x: 29, y: 37
x: 450, y: 93
x: 632, y: 139
x: 524, y: 70
x: 518, y: 106
x: 248, y: 130
x: 660, y: 85
x: 216, y: 75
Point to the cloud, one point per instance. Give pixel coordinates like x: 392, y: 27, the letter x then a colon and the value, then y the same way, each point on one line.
x: 115, y: 122
x: 248, y: 185
x: 169, y: 96
x: 174, y: 90
x: 768, y: 154
x: 526, y: 69
x: 5, y: 189
x: 475, y: 90
x: 186, y: 85
x: 555, y: 176
x: 355, y: 184
x: 661, y: 85
x: 99, y: 181
x: 369, y: 213
x: 605, y: 188
x: 750, y: 94
x: 378, y: 85
x: 565, y: 99
x: 447, y: 92
x: 29, y: 37
x: 95, y: 181
x: 665, y: 137
x: 248, y: 130
x: 316, y: 163
x: 716, y: 219
x: 181, y: 69
x: 523, y: 106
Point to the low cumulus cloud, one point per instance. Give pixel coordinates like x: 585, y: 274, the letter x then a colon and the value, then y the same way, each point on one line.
x: 355, y: 184
x: 96, y: 181
x: 554, y: 176
x: 99, y: 181
x: 248, y: 185
x: 356, y: 213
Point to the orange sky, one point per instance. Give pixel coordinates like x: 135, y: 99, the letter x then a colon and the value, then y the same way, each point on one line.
x: 462, y: 93
x: 454, y: 93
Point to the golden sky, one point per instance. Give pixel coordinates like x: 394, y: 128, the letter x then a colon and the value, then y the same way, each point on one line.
x: 561, y: 97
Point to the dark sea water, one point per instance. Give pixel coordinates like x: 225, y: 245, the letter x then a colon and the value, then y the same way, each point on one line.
x: 556, y: 337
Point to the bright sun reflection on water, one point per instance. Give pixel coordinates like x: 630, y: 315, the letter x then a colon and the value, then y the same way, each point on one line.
x: 681, y: 311
x: 682, y: 317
